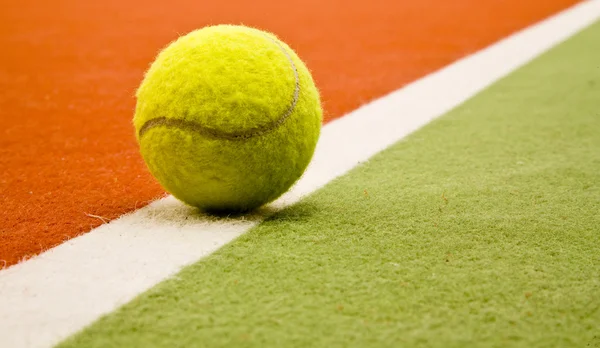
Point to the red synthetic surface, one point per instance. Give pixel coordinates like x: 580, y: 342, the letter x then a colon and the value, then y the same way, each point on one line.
x: 69, y: 69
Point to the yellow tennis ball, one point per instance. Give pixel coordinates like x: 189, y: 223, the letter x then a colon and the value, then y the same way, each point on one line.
x: 227, y: 118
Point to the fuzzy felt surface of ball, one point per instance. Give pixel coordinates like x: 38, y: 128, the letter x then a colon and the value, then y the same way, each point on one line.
x: 227, y: 118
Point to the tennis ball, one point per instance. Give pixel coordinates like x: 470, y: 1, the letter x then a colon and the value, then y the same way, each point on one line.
x: 227, y: 118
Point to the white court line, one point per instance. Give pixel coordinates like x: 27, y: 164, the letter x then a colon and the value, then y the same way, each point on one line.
x: 57, y: 293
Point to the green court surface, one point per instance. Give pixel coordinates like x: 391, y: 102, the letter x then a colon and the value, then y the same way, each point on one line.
x: 480, y: 230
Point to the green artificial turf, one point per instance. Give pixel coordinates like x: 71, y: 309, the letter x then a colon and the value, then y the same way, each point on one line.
x: 480, y: 230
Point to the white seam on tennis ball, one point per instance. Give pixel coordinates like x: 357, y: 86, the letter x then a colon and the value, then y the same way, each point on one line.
x: 51, y: 296
x: 196, y: 127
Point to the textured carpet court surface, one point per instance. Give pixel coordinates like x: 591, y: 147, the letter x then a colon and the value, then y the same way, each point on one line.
x: 479, y: 229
